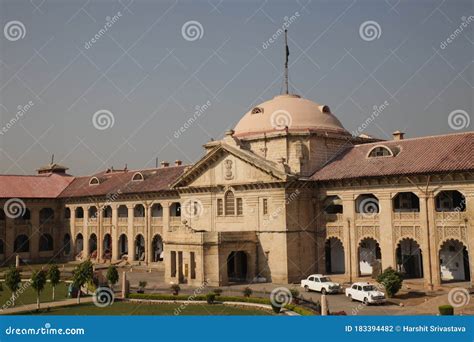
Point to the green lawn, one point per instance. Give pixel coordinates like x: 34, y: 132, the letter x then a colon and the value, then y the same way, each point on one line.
x: 124, y: 308
x: 29, y: 295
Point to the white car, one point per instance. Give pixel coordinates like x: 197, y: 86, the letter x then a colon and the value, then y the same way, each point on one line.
x: 366, y: 293
x: 320, y: 283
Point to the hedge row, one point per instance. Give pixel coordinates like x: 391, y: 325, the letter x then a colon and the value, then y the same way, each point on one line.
x: 148, y: 296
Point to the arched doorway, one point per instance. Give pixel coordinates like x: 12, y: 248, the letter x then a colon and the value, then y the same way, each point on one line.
x: 369, y: 256
x: 22, y: 244
x: 334, y: 252
x: 123, y: 245
x: 93, y: 246
x: 237, y: 266
x: 79, y: 244
x: 67, y: 244
x: 107, y: 247
x: 45, y: 243
x: 140, y: 248
x: 409, y: 259
x: 454, y: 261
x: 157, y: 248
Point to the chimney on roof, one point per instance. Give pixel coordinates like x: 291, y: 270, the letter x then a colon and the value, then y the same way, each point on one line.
x: 165, y: 164
x: 178, y: 163
x: 397, y: 135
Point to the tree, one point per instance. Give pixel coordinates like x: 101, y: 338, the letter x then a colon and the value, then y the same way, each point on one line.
x: 54, y: 276
x: 13, y: 281
x: 38, y: 280
x: 82, y: 274
x: 112, y: 275
x: 391, y: 280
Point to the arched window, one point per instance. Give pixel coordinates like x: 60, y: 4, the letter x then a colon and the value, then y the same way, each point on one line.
x: 92, y: 213
x: 107, y: 211
x: 122, y: 211
x: 139, y: 211
x: 451, y: 200
x: 45, y: 243
x: 79, y: 212
x: 22, y: 244
x: 175, y: 209
x: 380, y: 151
x: 94, y: 181
x: 67, y: 244
x: 229, y: 205
x: 156, y: 210
x: 137, y: 177
x: 67, y: 213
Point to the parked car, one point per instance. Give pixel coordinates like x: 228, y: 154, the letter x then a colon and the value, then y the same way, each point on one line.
x: 365, y: 293
x: 320, y: 283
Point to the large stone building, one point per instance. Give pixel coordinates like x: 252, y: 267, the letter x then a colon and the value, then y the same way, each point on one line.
x: 287, y: 193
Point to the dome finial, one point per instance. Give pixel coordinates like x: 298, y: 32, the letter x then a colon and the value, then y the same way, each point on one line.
x: 287, y: 51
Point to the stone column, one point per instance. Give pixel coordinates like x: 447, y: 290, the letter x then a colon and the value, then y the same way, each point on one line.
x: 431, y: 238
x: 35, y: 233
x: 148, y: 234
x: 114, y: 235
x: 350, y: 243
x: 10, y: 235
x: 469, y: 195
x: 72, y: 231
x: 425, y: 244
x: 386, y: 231
x: 130, y: 233
x: 86, y: 233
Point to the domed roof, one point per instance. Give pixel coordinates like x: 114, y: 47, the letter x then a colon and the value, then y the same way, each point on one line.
x: 290, y: 111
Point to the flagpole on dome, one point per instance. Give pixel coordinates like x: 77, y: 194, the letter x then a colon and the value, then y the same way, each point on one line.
x: 287, y: 50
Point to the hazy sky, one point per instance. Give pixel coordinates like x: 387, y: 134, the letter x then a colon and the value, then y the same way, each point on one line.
x: 148, y: 65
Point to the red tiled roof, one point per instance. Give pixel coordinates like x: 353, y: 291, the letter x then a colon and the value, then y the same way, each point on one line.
x: 433, y: 154
x: 35, y: 186
x: 121, y: 182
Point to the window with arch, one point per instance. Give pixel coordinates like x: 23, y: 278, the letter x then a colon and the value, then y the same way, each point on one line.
x: 22, y: 244
x: 137, y: 177
x: 229, y: 205
x: 94, y: 181
x: 380, y: 151
x: 45, y: 243
x: 79, y: 212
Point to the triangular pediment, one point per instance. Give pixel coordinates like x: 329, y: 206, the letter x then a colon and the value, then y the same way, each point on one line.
x: 227, y: 165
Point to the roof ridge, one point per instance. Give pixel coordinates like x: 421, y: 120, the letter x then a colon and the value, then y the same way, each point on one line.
x: 414, y: 138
